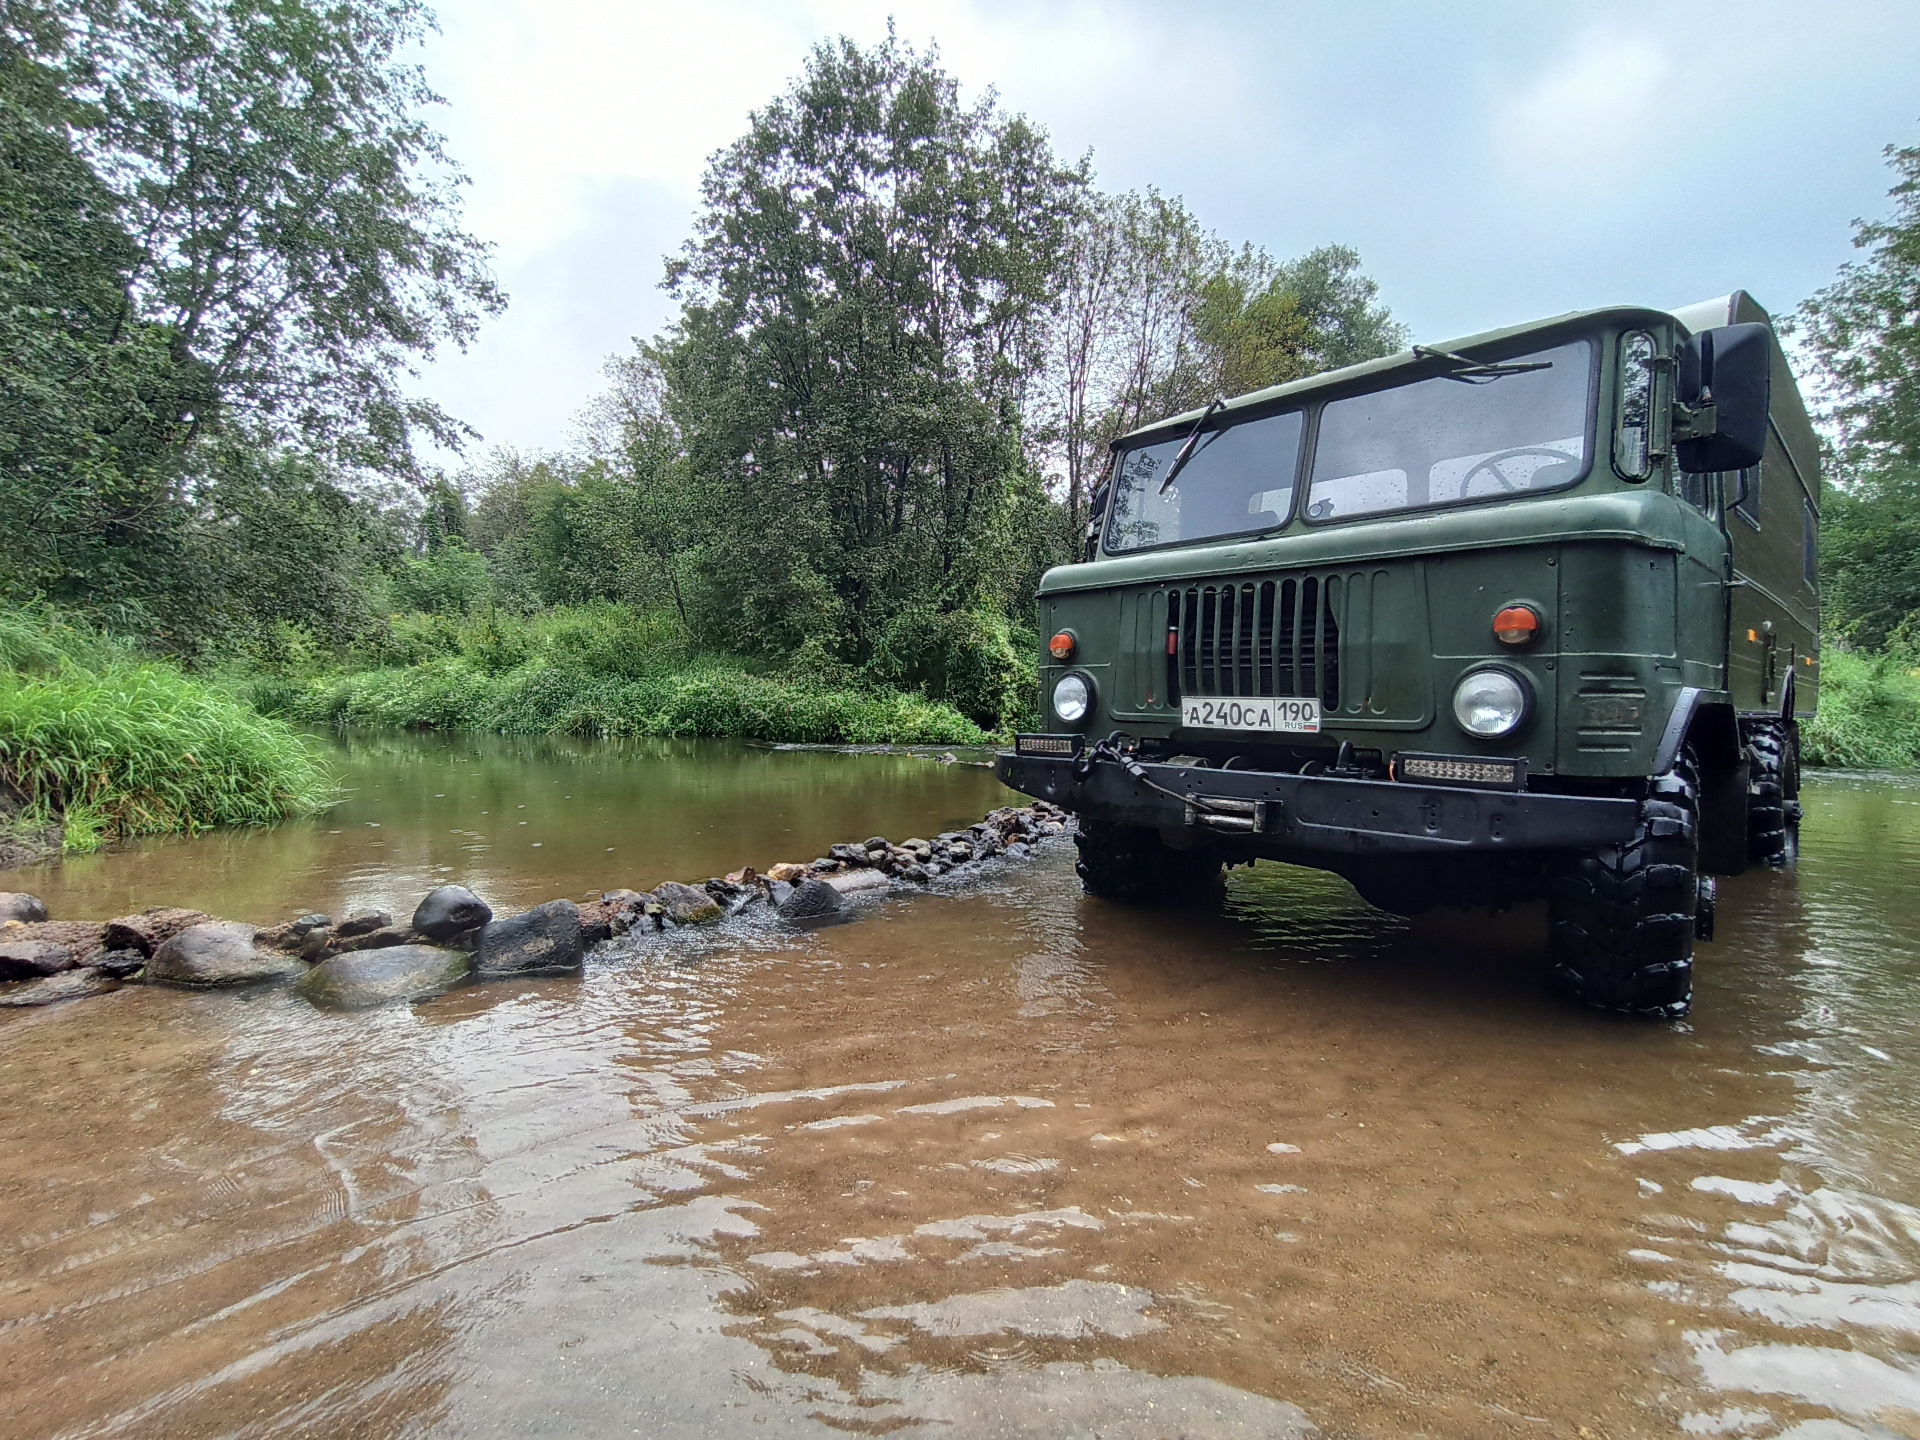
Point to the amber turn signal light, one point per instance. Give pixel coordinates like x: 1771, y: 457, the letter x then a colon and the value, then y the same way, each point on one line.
x: 1516, y: 625
x: 1061, y: 646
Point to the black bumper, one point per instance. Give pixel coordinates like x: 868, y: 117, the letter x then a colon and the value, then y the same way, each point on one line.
x: 1275, y: 813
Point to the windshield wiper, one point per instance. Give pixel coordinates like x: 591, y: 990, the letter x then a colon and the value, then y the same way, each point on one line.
x: 1479, y: 372
x: 1219, y: 402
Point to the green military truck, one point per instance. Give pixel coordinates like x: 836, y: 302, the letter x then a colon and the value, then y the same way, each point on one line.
x: 1533, y: 614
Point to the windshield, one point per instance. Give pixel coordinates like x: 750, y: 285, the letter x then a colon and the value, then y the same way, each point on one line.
x: 1441, y: 441
x: 1237, y: 481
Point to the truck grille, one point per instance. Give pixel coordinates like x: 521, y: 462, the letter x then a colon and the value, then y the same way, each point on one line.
x: 1266, y: 637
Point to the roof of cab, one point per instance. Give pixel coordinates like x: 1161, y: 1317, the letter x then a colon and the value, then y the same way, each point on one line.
x: 1356, y: 376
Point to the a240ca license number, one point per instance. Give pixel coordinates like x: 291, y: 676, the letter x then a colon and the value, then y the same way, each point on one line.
x: 1281, y: 714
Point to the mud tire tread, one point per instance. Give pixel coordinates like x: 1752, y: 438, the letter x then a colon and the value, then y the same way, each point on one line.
x: 1130, y: 864
x: 1773, y: 752
x: 1622, y: 917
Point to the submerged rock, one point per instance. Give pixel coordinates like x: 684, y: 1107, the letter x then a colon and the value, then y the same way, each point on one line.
x: 546, y: 937
x: 17, y: 905
x: 150, y: 929
x: 687, y: 904
x: 365, y: 978
x: 23, y: 959
x: 51, y: 989
x: 220, y: 952
x: 812, y: 900
x: 448, y: 911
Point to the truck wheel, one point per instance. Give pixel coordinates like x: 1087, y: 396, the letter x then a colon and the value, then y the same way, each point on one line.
x: 1622, y: 917
x: 1773, y: 782
x: 1131, y: 864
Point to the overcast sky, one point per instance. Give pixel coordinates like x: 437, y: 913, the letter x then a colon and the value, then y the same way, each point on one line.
x: 1492, y: 162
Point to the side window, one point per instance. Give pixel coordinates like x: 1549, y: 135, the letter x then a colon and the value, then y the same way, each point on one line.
x: 1744, y: 494
x: 1697, y: 491
x: 1809, y: 544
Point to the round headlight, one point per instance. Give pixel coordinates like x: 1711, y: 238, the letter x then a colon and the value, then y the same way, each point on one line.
x: 1489, y: 703
x: 1072, y: 698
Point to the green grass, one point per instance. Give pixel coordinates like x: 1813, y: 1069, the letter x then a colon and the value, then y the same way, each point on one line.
x: 1869, y: 713
x: 595, y: 670
x: 709, y: 698
x: 107, y: 746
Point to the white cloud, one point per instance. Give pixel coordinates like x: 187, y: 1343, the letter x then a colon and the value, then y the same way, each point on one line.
x: 1593, y: 114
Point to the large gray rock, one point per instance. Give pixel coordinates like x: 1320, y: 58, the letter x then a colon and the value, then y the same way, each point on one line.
x: 450, y: 910
x: 27, y: 959
x: 687, y: 904
x: 365, y: 978
x: 221, y: 952
x: 812, y: 901
x: 547, y: 937
x: 15, y: 905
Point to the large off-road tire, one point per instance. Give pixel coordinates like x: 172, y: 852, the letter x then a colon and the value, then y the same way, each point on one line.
x: 1622, y: 917
x: 1773, y: 783
x: 1131, y: 864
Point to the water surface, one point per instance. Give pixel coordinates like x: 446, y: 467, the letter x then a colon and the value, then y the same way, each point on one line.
x: 999, y: 1161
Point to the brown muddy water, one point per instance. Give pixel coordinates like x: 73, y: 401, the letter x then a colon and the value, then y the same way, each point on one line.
x: 996, y: 1161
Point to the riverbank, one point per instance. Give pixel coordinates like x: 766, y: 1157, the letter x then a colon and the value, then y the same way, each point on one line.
x: 1869, y: 713
x: 99, y: 744
x: 601, y: 671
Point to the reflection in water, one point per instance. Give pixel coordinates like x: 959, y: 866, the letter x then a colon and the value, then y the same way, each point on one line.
x: 999, y: 1161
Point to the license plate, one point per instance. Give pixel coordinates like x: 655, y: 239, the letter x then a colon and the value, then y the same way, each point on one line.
x: 1281, y: 715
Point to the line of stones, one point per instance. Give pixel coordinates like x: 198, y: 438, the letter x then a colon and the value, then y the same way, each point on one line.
x: 367, y: 958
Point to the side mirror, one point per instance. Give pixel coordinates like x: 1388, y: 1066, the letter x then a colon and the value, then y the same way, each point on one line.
x: 1725, y: 379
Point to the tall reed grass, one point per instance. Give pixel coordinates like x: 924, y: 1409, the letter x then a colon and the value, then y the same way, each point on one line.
x: 107, y: 745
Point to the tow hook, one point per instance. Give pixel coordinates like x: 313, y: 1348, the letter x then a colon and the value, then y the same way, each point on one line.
x: 1703, y: 908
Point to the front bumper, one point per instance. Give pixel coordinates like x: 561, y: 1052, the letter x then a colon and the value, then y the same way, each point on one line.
x: 1276, y: 814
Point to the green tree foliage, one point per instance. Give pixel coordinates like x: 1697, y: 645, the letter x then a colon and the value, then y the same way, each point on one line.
x: 225, y: 234
x: 861, y: 301
x: 1864, y: 331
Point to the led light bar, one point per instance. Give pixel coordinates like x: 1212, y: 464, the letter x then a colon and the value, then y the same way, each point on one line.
x: 1059, y: 746
x: 1460, y: 770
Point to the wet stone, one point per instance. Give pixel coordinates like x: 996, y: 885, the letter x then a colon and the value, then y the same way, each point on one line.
x: 366, y: 978
x: 848, y: 854
x: 686, y: 904
x: 812, y: 900
x: 221, y: 952
x: 150, y: 929
x: 51, y: 989
x: 449, y: 910
x: 362, y: 922
x: 116, y: 964
x: 379, y: 939
x: 31, y: 959
x: 17, y: 905
x: 546, y: 937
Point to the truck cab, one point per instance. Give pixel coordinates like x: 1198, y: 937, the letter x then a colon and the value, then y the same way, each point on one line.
x: 1482, y: 621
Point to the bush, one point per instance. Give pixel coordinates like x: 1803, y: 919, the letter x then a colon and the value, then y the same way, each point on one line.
x: 968, y: 658
x: 1869, y: 713
x: 142, y: 750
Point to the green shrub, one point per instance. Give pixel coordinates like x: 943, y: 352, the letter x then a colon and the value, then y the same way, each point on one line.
x: 144, y: 750
x: 967, y: 658
x: 711, y: 698
x: 1869, y: 713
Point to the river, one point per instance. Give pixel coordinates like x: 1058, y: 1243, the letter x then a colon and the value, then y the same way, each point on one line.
x: 995, y: 1161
